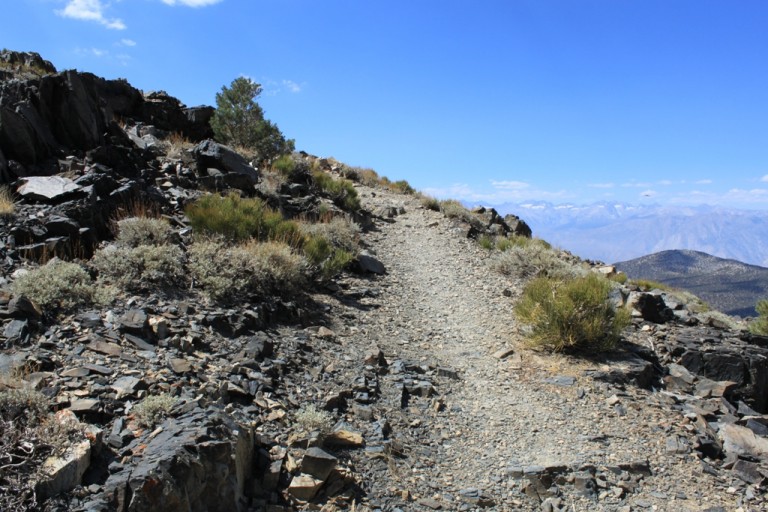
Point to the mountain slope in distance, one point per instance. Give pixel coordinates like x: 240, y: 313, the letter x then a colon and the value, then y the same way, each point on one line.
x: 727, y: 285
x: 618, y: 232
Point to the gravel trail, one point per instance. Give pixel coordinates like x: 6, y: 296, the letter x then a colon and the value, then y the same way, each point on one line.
x: 441, y: 307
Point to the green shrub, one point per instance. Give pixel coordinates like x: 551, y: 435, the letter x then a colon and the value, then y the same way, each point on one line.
x: 486, y: 242
x: 533, y: 258
x: 760, y: 324
x: 56, y: 284
x: 239, y: 219
x: 329, y: 260
x: 154, y: 409
x: 342, y: 192
x: 284, y: 165
x: 234, y: 218
x: 430, y: 203
x: 575, y: 314
x: 136, y: 231
x: 140, y: 268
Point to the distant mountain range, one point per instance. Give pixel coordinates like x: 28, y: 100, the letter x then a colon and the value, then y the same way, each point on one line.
x: 613, y: 232
x: 727, y: 285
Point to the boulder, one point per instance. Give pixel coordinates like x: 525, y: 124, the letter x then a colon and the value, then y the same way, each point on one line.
x: 212, y: 155
x: 518, y: 226
x: 369, y: 264
x: 48, y: 188
x: 200, y: 461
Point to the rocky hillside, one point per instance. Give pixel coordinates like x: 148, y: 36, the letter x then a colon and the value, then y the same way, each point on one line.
x: 729, y: 286
x: 395, y: 379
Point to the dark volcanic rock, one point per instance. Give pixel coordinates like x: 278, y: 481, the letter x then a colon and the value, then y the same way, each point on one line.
x: 201, y: 461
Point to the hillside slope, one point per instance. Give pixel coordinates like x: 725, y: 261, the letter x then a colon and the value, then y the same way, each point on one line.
x: 727, y: 285
x: 392, y: 379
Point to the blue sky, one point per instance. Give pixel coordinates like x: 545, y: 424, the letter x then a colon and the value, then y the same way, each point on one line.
x: 561, y: 100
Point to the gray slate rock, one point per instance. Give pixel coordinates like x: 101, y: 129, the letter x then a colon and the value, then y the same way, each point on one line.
x: 48, y: 188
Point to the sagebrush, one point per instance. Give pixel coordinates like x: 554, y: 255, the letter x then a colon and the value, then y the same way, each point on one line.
x: 58, y: 283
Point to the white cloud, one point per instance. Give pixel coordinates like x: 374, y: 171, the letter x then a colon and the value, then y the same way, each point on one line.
x: 191, y: 3
x: 515, y: 192
x: 128, y: 42
x: 509, y: 185
x: 602, y: 185
x: 704, y: 182
x: 90, y: 10
x: 292, y: 86
x: 665, y: 183
x: 764, y: 179
x: 636, y: 184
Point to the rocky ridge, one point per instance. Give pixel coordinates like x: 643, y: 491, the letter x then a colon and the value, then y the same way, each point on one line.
x: 430, y: 402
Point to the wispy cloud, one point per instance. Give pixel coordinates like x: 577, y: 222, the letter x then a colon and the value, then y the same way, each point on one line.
x: 666, y: 183
x: 764, y: 179
x: 636, y: 184
x: 601, y: 185
x: 127, y: 42
x: 95, y: 52
x: 191, y: 3
x: 273, y: 87
x: 90, y: 10
x: 292, y: 86
x: 509, y: 185
x: 735, y: 197
x: 501, y: 192
x: 707, y: 182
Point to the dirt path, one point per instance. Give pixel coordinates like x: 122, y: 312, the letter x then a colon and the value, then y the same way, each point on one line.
x: 491, y: 420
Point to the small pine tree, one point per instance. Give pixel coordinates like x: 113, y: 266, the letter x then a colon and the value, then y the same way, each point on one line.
x: 760, y: 324
x: 239, y: 121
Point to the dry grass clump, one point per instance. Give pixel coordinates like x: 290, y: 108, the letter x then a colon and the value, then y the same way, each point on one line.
x: 311, y: 419
x: 534, y: 258
x: 573, y: 314
x: 176, y: 144
x: 453, y: 209
x: 341, y: 232
x: 7, y: 207
x: 56, y: 284
x: 430, y: 203
x: 647, y: 285
x: 364, y: 176
x: 154, y: 409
